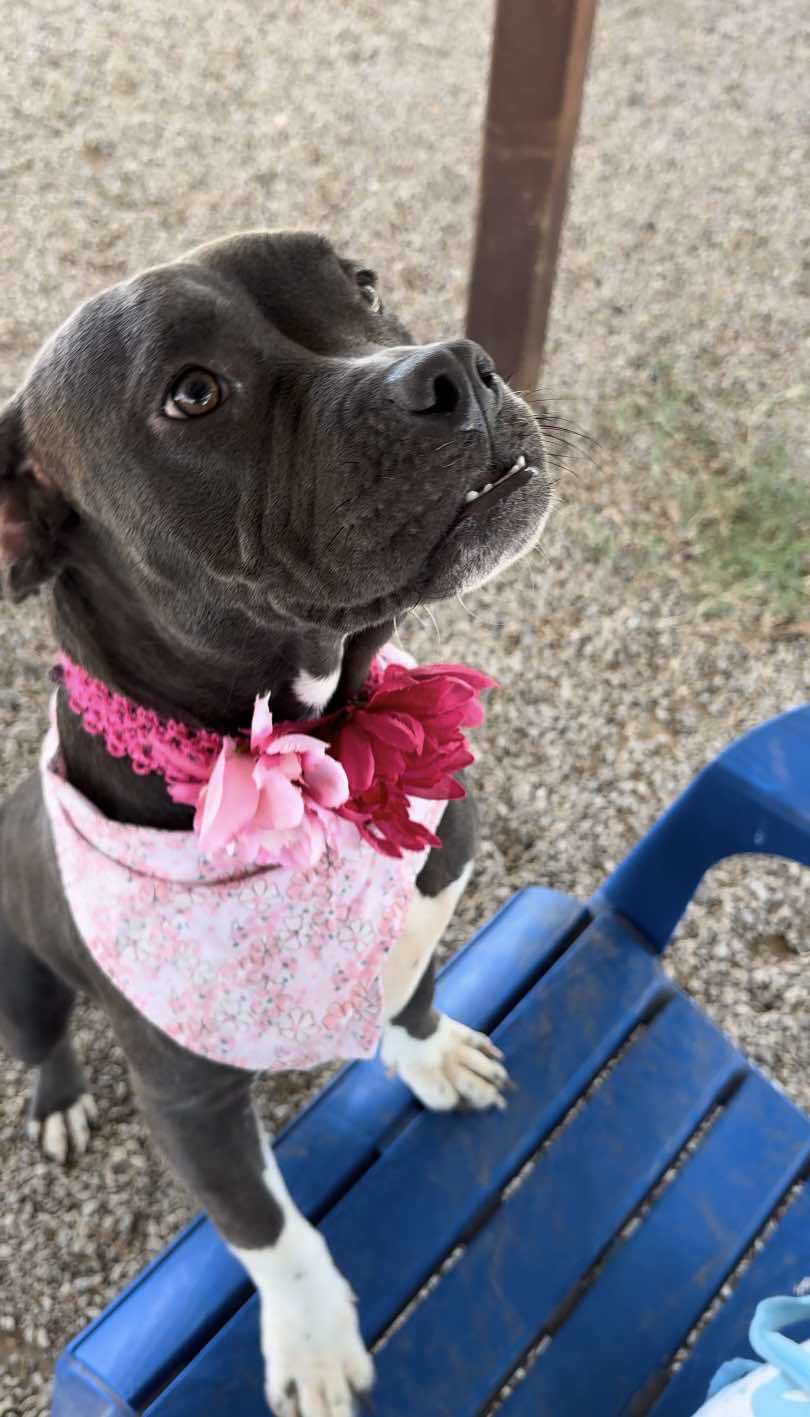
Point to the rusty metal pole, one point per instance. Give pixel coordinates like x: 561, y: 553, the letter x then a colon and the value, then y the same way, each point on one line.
x: 537, y: 76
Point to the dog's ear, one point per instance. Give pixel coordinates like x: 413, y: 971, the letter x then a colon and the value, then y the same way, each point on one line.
x: 34, y: 516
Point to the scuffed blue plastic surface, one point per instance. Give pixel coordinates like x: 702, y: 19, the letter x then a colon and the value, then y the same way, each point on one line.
x: 659, y: 1282
x: 781, y: 1264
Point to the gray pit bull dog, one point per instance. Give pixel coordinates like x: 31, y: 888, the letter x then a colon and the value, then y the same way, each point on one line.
x: 235, y: 471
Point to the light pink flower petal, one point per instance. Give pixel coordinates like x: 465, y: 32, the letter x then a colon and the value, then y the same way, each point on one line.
x: 306, y: 846
x: 299, y: 849
x: 247, y: 847
x: 297, y: 743
x: 188, y: 793
x: 262, y: 726
x: 280, y: 805
x: 229, y: 800
x: 288, y: 763
x: 325, y: 779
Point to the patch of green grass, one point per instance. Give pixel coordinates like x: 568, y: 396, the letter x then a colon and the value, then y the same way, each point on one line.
x: 714, y: 487
x: 754, y: 533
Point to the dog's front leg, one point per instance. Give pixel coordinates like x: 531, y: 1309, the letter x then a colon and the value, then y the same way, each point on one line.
x: 444, y: 1063
x: 315, y: 1360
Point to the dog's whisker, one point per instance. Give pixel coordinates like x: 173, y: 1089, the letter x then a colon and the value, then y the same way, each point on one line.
x: 571, y: 448
x: 551, y: 424
x: 572, y: 439
x: 464, y: 605
x: 559, y: 462
x: 412, y: 610
x: 561, y: 459
x: 435, y: 623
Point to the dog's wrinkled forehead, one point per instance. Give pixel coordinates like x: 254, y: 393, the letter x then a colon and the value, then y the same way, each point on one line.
x: 259, y: 295
x: 298, y: 282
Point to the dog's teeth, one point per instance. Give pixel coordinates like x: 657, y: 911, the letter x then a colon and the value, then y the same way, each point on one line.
x: 488, y: 487
x: 471, y: 497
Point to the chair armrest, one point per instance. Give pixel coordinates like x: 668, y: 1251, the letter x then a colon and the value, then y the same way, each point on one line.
x: 755, y: 797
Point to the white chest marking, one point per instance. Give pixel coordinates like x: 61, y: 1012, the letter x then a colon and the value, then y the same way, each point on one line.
x: 315, y: 690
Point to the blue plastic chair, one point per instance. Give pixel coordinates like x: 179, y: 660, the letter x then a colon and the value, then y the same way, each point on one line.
x: 664, y: 1124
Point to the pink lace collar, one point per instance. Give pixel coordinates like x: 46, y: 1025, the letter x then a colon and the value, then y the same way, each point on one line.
x: 280, y: 794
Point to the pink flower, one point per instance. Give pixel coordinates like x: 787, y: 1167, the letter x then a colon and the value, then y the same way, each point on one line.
x: 280, y: 798
x: 407, y: 740
x: 270, y: 804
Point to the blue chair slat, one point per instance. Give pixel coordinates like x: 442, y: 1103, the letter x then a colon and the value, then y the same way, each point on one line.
x: 777, y: 1269
x: 462, y: 1343
x: 171, y: 1308
x: 440, y: 1172
x: 657, y: 1284
x: 754, y: 798
x: 442, y: 1176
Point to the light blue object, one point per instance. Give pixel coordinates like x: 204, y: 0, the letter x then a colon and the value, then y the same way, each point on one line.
x: 682, y: 1137
x: 731, y: 1372
x: 778, y: 1387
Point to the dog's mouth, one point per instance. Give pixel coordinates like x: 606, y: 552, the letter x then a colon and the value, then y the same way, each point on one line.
x: 479, y: 500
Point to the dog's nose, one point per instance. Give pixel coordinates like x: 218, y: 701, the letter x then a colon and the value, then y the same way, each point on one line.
x: 453, y: 383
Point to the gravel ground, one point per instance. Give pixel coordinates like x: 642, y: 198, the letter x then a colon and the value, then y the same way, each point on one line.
x: 680, y: 339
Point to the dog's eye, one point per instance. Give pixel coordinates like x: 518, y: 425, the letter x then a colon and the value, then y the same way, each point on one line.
x: 367, y: 282
x: 193, y: 393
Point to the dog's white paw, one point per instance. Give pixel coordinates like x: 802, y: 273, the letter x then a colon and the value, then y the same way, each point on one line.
x: 66, y: 1133
x: 316, y: 1360
x: 454, y: 1067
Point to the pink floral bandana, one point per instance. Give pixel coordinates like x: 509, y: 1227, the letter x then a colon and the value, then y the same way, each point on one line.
x: 265, y: 968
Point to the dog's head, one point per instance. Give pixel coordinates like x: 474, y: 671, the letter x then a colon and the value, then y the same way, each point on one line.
x: 250, y: 432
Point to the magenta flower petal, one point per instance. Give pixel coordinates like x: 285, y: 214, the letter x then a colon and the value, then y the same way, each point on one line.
x: 475, y: 678
x: 474, y: 714
x: 389, y: 764
x: 354, y: 751
x: 441, y: 791
x: 400, y: 730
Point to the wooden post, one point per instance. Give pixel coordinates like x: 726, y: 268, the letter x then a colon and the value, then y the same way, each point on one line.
x: 537, y: 76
